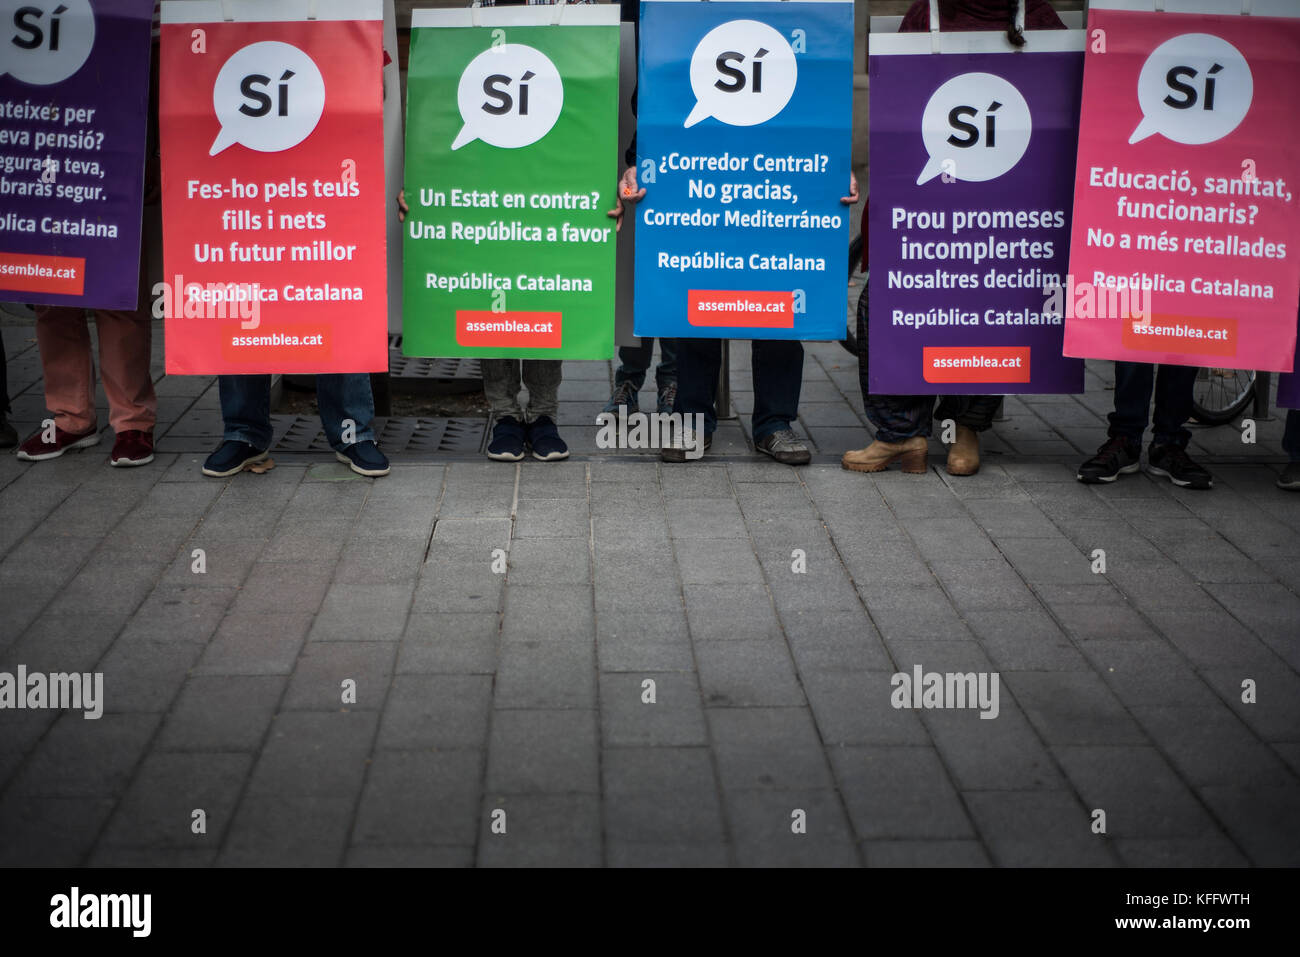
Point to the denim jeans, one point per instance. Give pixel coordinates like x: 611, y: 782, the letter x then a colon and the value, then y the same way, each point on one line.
x: 778, y: 378
x: 502, y: 379
x: 1173, y: 391
x: 246, y: 407
x: 634, y: 363
x: 1291, y: 436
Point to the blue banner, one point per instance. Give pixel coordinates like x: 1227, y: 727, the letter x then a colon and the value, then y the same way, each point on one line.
x: 743, y: 138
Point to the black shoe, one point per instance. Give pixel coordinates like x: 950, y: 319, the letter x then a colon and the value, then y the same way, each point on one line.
x: 688, y: 441
x: 232, y: 457
x: 1175, y: 464
x: 544, y: 439
x: 364, y: 458
x: 624, y: 395
x: 507, y: 440
x: 1119, y: 456
x: 1290, y: 478
x: 667, y: 397
x: 8, y: 434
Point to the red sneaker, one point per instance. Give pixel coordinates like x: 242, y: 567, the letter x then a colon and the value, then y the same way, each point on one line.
x: 132, y: 447
x: 36, y: 449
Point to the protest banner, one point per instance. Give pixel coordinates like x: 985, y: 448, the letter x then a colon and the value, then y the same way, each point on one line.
x: 511, y: 162
x: 273, y: 187
x: 1184, y: 197
x: 972, y: 161
x: 72, y: 150
x: 743, y: 136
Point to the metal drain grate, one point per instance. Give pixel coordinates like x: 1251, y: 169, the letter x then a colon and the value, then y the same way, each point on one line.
x: 410, y: 373
x: 303, y: 433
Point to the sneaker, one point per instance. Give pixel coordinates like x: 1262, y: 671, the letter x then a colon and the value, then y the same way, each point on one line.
x: 667, y: 396
x: 1290, y: 478
x: 131, y: 447
x: 364, y: 458
x: 36, y: 449
x: 232, y: 457
x: 1175, y: 464
x: 507, y: 443
x: 784, y: 446
x: 623, y: 395
x: 681, y: 444
x: 545, y: 440
x: 1118, y: 456
x: 8, y: 435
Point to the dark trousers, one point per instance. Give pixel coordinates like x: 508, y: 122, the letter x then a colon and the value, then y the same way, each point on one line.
x: 1134, y: 383
x: 634, y: 363
x: 1291, y: 437
x: 778, y: 378
x: 246, y: 407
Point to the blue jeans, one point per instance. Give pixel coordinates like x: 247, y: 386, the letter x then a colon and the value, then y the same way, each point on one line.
x: 634, y: 363
x: 1134, y: 382
x: 246, y: 407
x: 1291, y: 437
x: 778, y: 379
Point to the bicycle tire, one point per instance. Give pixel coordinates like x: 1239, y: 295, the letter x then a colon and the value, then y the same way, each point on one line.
x: 1232, y: 401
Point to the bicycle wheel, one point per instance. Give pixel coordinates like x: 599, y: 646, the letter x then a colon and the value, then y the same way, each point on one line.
x: 850, y: 342
x: 1220, y: 395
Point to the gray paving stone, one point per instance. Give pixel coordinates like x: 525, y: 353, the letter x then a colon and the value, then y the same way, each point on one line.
x: 436, y: 712
x: 626, y: 854
x: 450, y: 643
x: 705, y: 518
x: 549, y: 613
x: 899, y: 792
x: 532, y: 752
x: 763, y: 828
x: 1213, y: 851
x: 546, y: 674
x: 362, y: 613
x: 1038, y: 829
x: 738, y: 674
x: 270, y: 829
x: 49, y: 831
x: 730, y: 612
x: 315, y: 753
x: 408, y: 855
x: 770, y: 748
x: 419, y: 798
x: 255, y: 644
x: 1209, y: 745
x: 925, y: 854
x: 1072, y: 707
x: 560, y: 830
x: 675, y: 718
x: 1262, y: 821
x: 158, y: 809
x: 221, y: 713
x: 1275, y: 713
x: 549, y: 562
x: 553, y: 518
x: 146, y: 675
x: 86, y: 758
x: 1025, y: 640
x: 318, y: 676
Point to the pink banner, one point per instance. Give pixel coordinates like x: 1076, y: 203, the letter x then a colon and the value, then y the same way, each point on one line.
x: 1186, y: 240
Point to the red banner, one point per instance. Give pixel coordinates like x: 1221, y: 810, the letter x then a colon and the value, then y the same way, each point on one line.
x: 1186, y: 239
x: 273, y: 197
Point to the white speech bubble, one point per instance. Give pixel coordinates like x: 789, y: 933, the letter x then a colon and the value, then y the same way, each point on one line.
x: 975, y: 128
x: 269, y: 96
x: 743, y: 73
x: 1194, y: 88
x: 509, y: 96
x: 45, y: 41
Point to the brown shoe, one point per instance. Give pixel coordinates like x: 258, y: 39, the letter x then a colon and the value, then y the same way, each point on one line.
x: 964, y: 454
x: 878, y: 456
x: 132, y: 447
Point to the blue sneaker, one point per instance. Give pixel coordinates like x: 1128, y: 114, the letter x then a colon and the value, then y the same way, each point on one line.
x: 507, y: 440
x: 364, y: 458
x: 233, y: 456
x: 545, y: 439
x: 623, y: 395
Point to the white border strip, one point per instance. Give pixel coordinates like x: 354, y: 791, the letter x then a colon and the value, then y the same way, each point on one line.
x: 1255, y: 8
x: 269, y: 11
x: 973, y: 41
x: 534, y: 15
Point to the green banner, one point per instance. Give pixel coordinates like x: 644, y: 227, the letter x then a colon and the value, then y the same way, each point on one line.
x: 511, y: 163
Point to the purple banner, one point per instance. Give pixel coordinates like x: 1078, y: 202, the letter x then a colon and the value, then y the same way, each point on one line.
x: 74, y: 100
x: 972, y: 171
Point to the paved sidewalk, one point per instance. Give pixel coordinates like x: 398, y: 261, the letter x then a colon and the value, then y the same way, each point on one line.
x: 526, y: 692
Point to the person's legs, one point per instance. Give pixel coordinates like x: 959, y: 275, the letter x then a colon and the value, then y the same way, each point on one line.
x: 344, y: 398
x: 4, y: 379
x: 633, y: 363
x: 975, y: 412
x: 666, y: 371
x: 543, y: 377
x: 1291, y: 435
x: 898, y: 418
x: 1133, y: 384
x: 124, y: 340
x: 1174, y: 385
x: 778, y: 379
x: 698, y: 364
x: 501, y: 387
x: 64, y: 342
x: 246, y: 409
